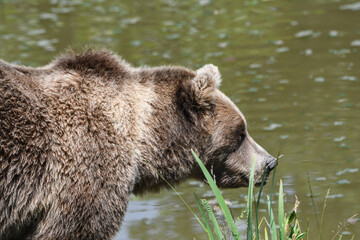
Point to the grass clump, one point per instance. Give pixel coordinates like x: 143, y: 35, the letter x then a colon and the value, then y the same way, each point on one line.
x: 289, y: 227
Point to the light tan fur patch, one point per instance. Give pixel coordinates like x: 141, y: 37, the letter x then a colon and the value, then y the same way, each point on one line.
x: 52, y: 83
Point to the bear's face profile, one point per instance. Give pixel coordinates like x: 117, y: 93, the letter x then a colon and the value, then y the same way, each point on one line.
x: 230, y: 149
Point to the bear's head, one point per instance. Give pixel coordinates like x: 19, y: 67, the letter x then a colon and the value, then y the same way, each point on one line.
x: 230, y: 150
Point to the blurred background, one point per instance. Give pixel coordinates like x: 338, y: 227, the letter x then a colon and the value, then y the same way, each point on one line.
x: 292, y: 67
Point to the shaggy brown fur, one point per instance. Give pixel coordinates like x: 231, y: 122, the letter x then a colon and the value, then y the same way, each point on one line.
x: 78, y: 136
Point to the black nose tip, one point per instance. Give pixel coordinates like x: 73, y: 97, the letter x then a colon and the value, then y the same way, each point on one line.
x: 271, y: 163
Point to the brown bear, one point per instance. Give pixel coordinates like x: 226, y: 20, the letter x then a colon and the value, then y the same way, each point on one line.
x: 79, y: 135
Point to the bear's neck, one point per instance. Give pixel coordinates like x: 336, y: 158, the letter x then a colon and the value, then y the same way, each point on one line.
x: 164, y: 147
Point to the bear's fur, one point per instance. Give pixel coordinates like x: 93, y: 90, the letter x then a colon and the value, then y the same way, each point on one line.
x: 81, y: 134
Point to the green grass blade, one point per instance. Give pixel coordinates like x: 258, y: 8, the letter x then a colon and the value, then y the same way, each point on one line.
x: 257, y: 204
x: 249, y: 206
x: 300, y: 236
x: 296, y: 227
x: 291, y: 217
x: 322, y: 214
x: 220, y: 199
x: 272, y: 220
x: 281, y: 213
x: 289, y: 220
x: 208, y: 227
x: 271, y: 196
x: 266, y: 234
x: 213, y: 220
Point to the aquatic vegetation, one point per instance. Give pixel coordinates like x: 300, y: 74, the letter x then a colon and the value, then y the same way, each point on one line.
x: 289, y: 227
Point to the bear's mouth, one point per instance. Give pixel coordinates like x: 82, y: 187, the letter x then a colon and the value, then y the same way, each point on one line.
x: 266, y: 172
x: 258, y: 184
x: 263, y: 179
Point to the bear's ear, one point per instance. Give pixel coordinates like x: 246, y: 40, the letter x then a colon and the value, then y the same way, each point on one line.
x: 208, y: 75
x: 198, y: 93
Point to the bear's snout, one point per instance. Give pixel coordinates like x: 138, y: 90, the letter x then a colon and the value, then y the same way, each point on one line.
x: 271, y: 163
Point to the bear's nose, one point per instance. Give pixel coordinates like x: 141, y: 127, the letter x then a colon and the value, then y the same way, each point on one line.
x: 271, y: 163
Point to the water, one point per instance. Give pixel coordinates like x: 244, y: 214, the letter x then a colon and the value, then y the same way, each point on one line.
x: 292, y: 67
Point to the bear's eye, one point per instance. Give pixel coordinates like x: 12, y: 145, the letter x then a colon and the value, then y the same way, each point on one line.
x: 242, y: 138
